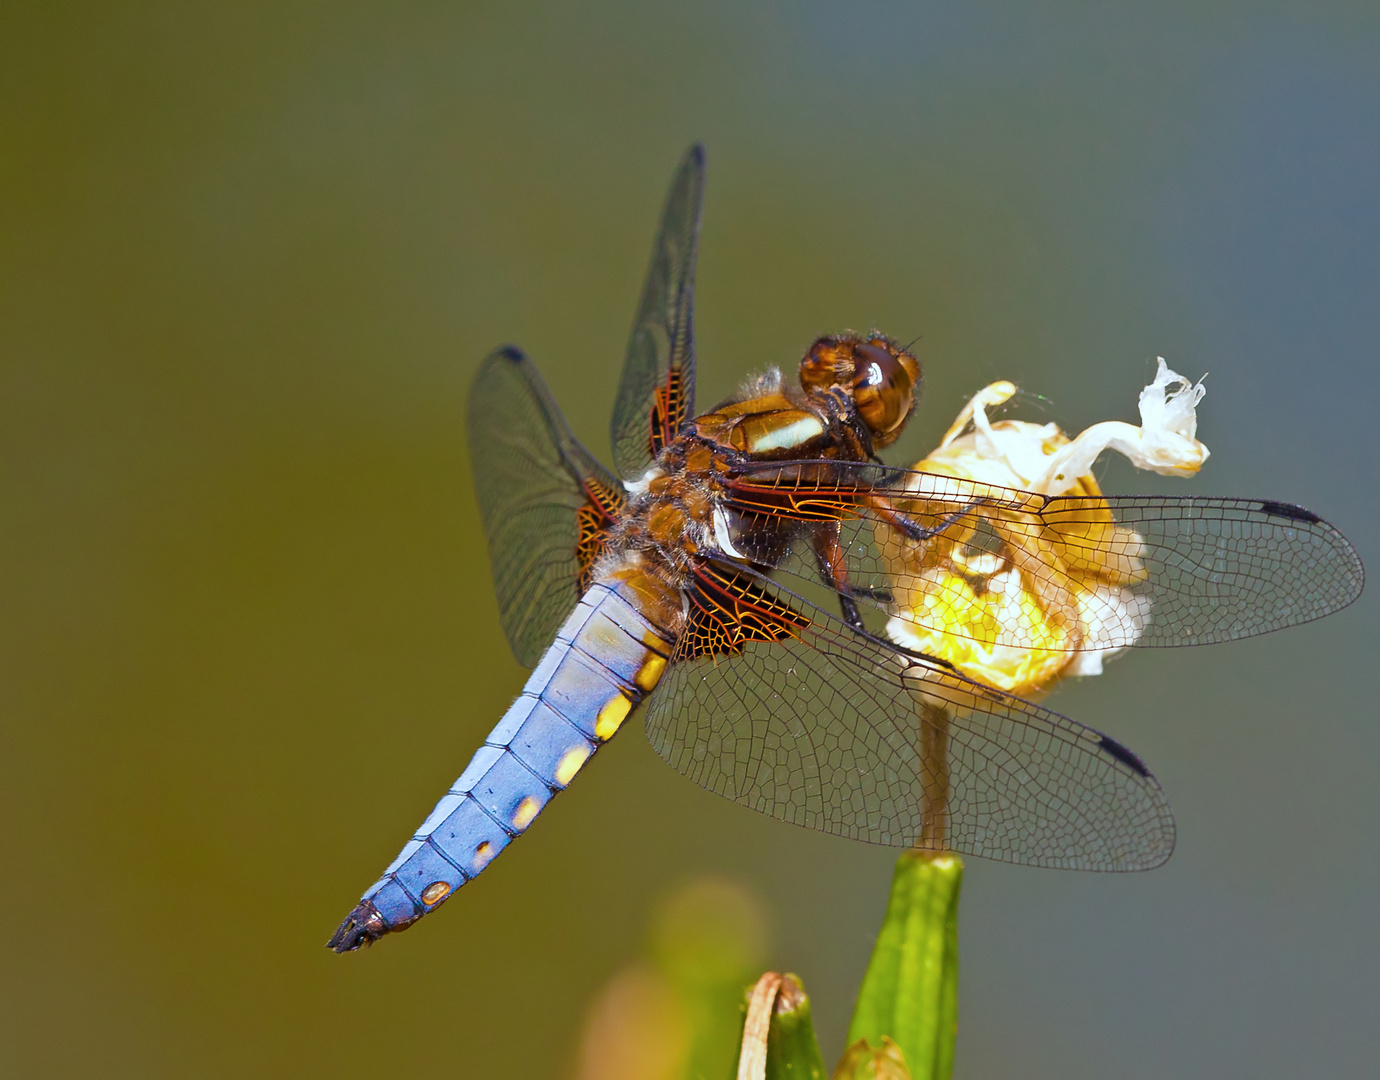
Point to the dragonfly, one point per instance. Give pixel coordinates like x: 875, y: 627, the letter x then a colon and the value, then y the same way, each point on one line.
x: 733, y: 572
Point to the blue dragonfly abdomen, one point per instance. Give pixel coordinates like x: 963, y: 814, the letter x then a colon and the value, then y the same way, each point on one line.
x: 605, y: 659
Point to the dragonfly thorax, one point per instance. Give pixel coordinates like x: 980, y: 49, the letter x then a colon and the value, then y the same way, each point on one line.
x: 854, y: 395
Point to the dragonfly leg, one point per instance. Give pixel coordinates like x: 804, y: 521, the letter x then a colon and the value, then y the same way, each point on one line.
x: 851, y: 615
x: 913, y: 530
x: 834, y: 569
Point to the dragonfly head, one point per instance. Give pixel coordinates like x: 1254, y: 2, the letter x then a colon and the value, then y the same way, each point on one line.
x: 881, y: 378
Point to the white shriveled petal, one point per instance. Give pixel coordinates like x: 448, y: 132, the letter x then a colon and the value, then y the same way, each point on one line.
x: 1165, y: 442
x: 1020, y: 454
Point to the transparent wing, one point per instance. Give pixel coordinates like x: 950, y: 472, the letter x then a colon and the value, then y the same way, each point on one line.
x: 1130, y: 570
x: 657, y: 393
x: 820, y: 726
x: 544, y: 500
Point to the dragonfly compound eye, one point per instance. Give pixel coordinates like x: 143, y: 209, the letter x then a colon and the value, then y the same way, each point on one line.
x: 884, y: 379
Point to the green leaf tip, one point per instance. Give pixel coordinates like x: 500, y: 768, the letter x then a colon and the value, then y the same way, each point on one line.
x: 792, y: 1048
x: 910, y: 993
x: 778, y: 1033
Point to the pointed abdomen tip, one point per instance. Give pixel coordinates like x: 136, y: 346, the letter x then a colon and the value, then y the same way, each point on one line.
x: 363, y: 926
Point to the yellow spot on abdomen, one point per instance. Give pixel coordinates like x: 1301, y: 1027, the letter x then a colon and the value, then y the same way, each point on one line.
x: 482, y: 854
x: 611, y: 718
x: 570, y: 764
x: 435, y: 892
x: 525, y: 812
x: 649, y: 674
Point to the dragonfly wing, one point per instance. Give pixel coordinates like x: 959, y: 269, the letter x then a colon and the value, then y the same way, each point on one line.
x: 1160, y: 570
x: 545, y: 500
x: 775, y: 704
x: 1220, y: 569
x: 656, y: 396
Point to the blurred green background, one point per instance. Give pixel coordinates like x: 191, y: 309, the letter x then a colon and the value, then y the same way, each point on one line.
x: 250, y: 255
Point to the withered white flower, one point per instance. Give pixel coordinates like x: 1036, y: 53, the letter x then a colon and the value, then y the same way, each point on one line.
x: 993, y: 609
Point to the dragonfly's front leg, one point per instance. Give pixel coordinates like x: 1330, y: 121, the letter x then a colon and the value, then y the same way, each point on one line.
x: 911, y: 529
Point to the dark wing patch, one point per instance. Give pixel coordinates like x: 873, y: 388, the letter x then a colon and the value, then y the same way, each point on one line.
x: 729, y: 609
x: 671, y: 408
x: 1289, y: 512
x: 593, y: 521
x: 545, y: 500
x: 1123, y: 755
x: 656, y: 396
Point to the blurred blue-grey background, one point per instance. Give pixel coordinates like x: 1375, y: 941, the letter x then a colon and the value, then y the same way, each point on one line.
x: 250, y: 256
